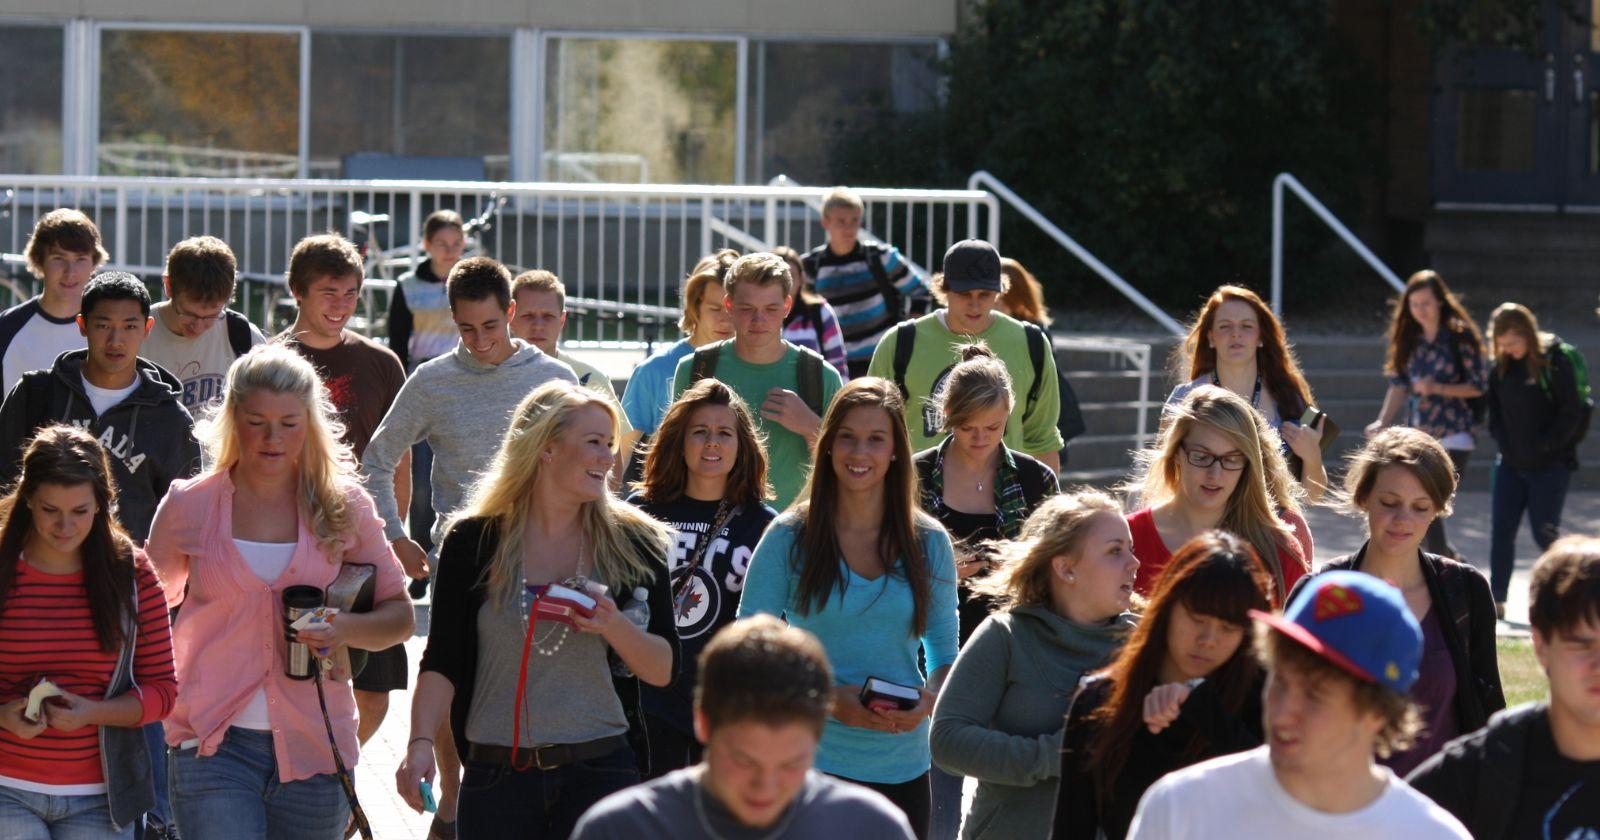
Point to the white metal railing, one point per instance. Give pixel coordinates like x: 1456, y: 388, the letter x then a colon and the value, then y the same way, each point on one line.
x: 1287, y: 181
x: 621, y: 249
x: 1135, y: 358
x: 983, y: 180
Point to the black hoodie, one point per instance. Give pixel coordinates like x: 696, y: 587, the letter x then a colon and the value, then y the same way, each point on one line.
x: 149, y: 436
x: 1535, y: 425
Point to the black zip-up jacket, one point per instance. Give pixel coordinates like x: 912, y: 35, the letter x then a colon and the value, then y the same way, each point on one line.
x: 1478, y: 776
x: 1534, y: 429
x: 149, y: 436
x: 1463, y: 593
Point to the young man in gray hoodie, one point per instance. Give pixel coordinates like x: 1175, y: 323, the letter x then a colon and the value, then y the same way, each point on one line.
x: 461, y: 404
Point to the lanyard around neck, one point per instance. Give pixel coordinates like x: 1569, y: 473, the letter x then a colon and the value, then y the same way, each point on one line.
x: 1255, y: 396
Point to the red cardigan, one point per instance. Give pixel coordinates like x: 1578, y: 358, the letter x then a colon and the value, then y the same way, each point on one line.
x: 1153, y: 554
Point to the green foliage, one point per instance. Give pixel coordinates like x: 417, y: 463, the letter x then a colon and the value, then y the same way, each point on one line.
x: 1149, y: 131
x: 1513, y: 24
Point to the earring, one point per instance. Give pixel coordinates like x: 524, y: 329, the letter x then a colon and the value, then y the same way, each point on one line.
x: 893, y: 457
x: 1072, y: 578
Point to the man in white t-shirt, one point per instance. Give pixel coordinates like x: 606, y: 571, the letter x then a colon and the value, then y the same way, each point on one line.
x: 63, y: 252
x: 1339, y: 661
x: 196, y: 336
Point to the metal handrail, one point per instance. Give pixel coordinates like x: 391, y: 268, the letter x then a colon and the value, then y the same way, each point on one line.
x: 982, y: 178
x: 1283, y: 180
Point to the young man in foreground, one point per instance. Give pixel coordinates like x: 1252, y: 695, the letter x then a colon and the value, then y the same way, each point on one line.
x: 1339, y: 661
x: 765, y: 691
x: 1534, y: 771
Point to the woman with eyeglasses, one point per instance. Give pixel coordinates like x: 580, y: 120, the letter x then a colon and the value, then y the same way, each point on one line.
x: 1217, y: 465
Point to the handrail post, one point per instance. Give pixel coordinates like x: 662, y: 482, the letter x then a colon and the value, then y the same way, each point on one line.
x: 1277, y: 246
x: 415, y: 220
x: 121, y: 251
x: 1339, y: 228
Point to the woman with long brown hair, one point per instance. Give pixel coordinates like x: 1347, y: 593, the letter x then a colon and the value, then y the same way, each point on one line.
x: 1537, y: 418
x: 1435, y: 368
x: 857, y: 563
x: 1184, y: 688
x: 1237, y: 343
x: 1065, y: 588
x: 706, y: 479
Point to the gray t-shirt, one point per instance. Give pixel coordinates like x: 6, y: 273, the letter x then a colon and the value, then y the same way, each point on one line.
x: 569, y: 698
x: 678, y: 806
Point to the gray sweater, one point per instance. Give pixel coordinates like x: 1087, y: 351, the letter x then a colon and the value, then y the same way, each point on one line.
x: 1000, y: 714
x: 462, y: 408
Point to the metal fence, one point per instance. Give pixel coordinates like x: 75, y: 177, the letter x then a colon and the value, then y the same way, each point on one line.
x: 621, y: 249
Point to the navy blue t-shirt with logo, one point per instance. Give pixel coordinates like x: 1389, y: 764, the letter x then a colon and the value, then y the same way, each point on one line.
x: 707, y: 597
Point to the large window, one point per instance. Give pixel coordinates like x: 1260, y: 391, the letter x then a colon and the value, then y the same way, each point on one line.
x: 637, y: 110
x: 30, y: 99
x: 410, y: 96
x: 199, y: 103
x: 805, y: 94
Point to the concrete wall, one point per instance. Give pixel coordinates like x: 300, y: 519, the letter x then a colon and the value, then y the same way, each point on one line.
x: 816, y: 17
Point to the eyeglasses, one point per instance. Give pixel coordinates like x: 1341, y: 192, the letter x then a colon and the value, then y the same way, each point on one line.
x: 1232, y: 462
x: 187, y: 318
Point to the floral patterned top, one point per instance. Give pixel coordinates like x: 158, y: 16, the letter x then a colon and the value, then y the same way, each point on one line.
x: 1438, y: 361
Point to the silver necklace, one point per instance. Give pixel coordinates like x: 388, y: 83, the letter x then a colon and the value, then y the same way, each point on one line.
x: 560, y: 632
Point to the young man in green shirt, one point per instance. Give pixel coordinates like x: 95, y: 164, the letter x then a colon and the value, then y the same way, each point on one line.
x: 791, y: 385
x: 968, y: 289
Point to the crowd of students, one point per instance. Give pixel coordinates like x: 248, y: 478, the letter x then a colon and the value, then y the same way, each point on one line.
x: 840, y: 578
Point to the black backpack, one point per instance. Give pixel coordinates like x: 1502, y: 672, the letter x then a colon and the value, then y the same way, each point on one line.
x: 239, y: 337
x: 808, y: 373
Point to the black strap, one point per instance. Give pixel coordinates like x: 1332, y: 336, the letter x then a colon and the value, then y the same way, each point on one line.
x: 345, y: 779
x: 1038, y: 346
x: 1255, y: 395
x: 905, y: 343
x: 239, y: 337
x: 725, y: 512
x: 808, y: 380
x: 704, y: 365
x: 891, y: 296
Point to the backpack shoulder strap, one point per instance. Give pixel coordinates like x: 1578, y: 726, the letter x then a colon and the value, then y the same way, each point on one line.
x: 1038, y: 346
x: 808, y: 374
x: 891, y: 295
x: 239, y: 337
x: 905, y: 343
x: 704, y: 365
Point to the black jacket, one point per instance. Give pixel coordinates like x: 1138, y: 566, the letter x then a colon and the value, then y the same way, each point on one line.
x: 149, y: 436
x: 1478, y: 776
x: 1533, y: 424
x: 1204, y: 729
x: 459, y: 591
x: 1463, y: 593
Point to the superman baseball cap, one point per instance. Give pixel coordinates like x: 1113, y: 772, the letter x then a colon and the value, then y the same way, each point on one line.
x: 1359, y: 623
x: 972, y: 265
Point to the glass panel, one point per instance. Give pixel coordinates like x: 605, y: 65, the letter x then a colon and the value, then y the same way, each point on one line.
x: 640, y: 111
x: 1495, y: 130
x: 217, y: 104
x: 417, y: 96
x: 1594, y: 132
x: 803, y: 92
x: 30, y: 100
x: 1594, y: 25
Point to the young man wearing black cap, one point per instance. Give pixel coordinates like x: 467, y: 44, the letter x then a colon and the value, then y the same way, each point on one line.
x: 918, y: 355
x: 1339, y: 661
x: 1534, y: 771
x: 763, y: 696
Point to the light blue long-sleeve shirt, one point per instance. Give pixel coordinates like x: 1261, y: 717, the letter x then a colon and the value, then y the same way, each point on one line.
x: 649, y: 390
x: 867, y: 633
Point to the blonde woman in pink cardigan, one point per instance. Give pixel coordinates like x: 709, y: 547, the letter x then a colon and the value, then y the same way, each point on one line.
x: 280, y: 506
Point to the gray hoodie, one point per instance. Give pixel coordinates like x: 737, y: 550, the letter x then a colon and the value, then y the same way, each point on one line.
x: 462, y: 408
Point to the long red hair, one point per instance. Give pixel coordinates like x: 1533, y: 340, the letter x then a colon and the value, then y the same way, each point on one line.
x: 1215, y: 574
x: 1275, y: 360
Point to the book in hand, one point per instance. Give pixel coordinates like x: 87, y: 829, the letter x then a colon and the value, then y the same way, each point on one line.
x: 884, y: 695
x: 41, y: 692
x: 562, y: 603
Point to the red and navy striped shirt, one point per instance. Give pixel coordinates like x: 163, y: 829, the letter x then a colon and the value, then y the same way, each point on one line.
x: 46, y: 630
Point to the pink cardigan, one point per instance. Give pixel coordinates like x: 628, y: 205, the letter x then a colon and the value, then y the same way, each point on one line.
x: 228, y: 639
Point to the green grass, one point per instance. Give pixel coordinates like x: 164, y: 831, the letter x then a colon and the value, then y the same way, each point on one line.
x: 1519, y: 671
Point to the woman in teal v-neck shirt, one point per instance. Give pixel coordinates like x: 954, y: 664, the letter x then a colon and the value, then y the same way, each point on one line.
x: 858, y: 565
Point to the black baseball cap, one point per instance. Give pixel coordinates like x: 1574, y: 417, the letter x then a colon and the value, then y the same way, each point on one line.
x: 972, y: 265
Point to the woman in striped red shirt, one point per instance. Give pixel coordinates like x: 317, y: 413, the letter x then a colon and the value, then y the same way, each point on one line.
x: 81, y: 608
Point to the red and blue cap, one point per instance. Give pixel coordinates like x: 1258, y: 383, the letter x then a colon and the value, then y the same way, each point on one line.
x: 1359, y: 623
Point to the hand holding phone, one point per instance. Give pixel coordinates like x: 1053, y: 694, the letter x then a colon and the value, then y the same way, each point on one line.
x: 429, y: 804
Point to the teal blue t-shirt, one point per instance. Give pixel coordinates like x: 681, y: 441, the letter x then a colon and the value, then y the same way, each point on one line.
x: 788, y: 454
x: 866, y: 631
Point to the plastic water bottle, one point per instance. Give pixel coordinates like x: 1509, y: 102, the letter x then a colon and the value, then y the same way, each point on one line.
x: 638, y: 612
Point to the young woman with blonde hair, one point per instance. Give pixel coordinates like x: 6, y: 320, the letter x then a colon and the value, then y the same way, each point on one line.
x: 858, y: 564
x: 1537, y: 419
x: 1237, y: 343
x: 541, y: 727
x: 280, y: 506
x: 1217, y: 465
x: 1401, y: 482
x: 1065, y: 587
x: 706, y: 479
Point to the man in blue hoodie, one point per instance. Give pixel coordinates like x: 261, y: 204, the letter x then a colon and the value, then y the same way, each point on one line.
x: 131, y: 404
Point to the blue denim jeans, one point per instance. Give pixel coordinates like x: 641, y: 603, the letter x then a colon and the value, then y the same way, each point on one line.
x: 498, y: 802
x: 39, y: 816
x: 1539, y: 493
x: 156, y: 737
x: 235, y: 795
x: 946, y: 804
